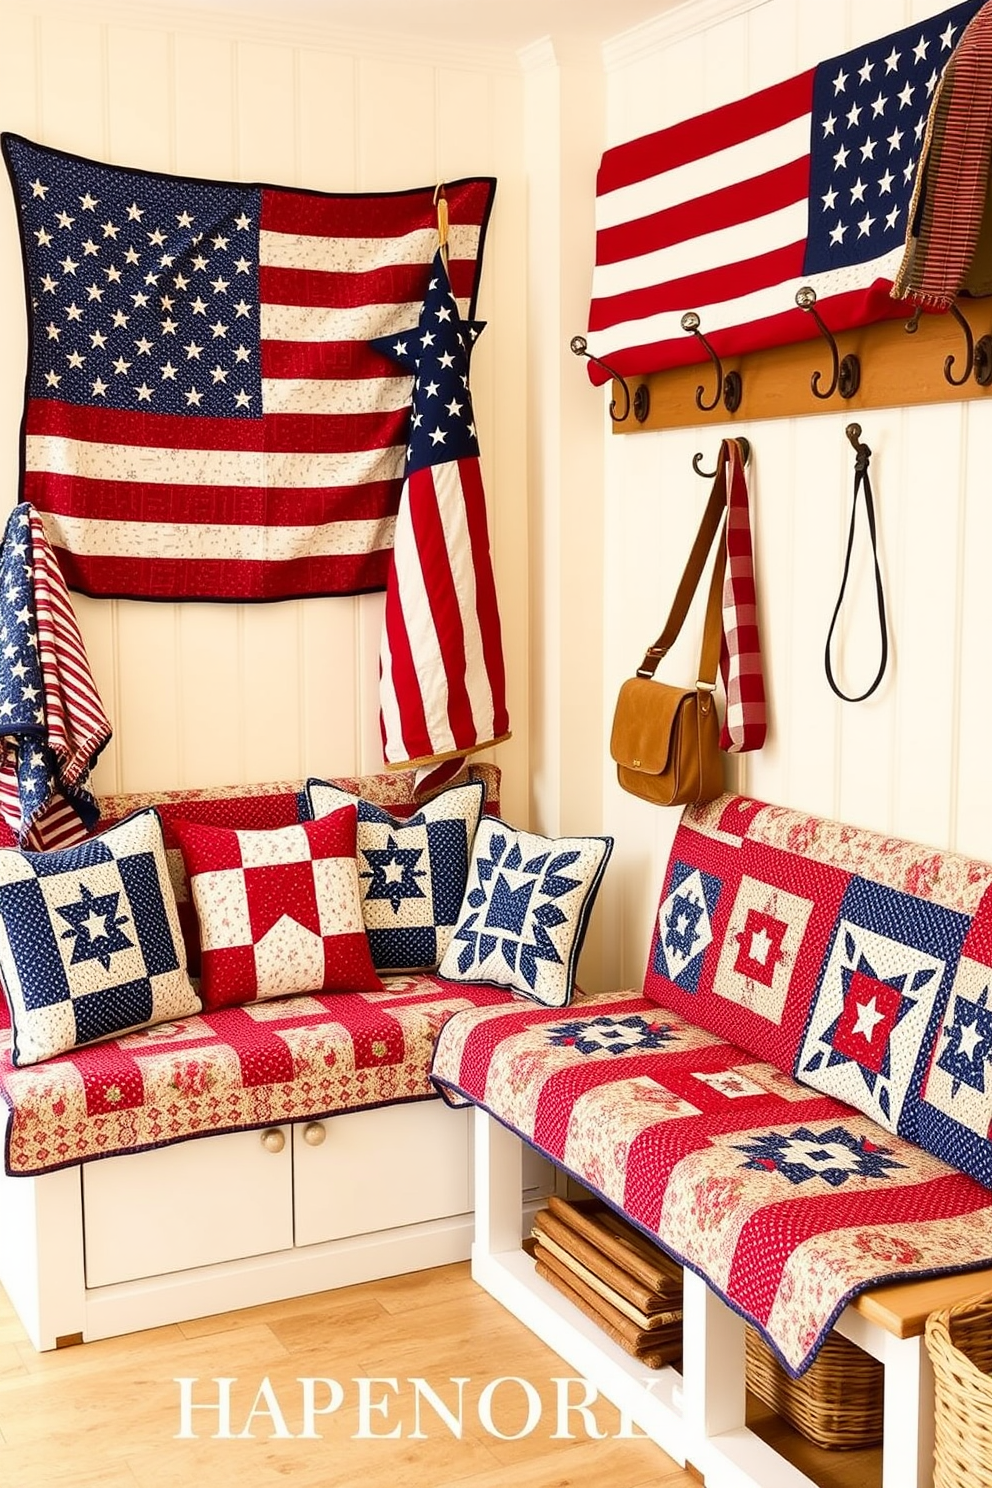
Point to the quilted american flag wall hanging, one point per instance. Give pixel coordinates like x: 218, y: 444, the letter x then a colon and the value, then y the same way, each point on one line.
x: 205, y: 418
x: 728, y: 214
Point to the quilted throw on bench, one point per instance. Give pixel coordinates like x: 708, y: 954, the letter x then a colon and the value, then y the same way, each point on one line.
x: 785, y: 1200
x: 290, y: 1059
x: 860, y: 964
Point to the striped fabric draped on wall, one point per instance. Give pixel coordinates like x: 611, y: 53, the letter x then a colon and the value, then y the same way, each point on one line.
x: 728, y: 214
x: 52, y: 722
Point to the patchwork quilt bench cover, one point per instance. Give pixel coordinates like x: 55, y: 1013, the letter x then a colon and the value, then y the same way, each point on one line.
x: 291, y: 1058
x: 797, y: 1103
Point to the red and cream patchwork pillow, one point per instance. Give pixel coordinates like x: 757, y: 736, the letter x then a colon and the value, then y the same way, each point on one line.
x: 279, y: 911
x: 240, y: 807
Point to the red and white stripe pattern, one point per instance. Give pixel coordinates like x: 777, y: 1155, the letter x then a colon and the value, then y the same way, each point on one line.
x: 951, y: 185
x: 442, y: 689
x: 442, y: 686
x: 206, y: 418
x: 745, y: 720
x: 729, y: 213
x: 76, y: 726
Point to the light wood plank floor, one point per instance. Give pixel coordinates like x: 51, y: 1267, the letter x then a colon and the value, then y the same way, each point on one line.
x: 108, y: 1414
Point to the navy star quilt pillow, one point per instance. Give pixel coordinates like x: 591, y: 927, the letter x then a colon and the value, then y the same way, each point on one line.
x: 412, y: 871
x: 527, y: 904
x: 90, y: 944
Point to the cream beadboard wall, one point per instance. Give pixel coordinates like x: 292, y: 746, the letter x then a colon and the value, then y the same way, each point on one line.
x: 589, y: 531
x: 203, y: 694
x: 913, y: 759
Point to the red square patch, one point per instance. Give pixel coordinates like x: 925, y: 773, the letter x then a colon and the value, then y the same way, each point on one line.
x: 870, y: 1011
x: 759, y: 946
x: 279, y: 911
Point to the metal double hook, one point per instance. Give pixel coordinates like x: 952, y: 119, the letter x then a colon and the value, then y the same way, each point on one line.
x: 977, y: 356
x: 846, y: 374
x: 728, y: 386
x: 745, y: 446
x: 642, y: 398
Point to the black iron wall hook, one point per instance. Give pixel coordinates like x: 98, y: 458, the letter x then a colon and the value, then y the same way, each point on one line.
x: 977, y: 355
x: 642, y: 398
x: 862, y: 453
x: 969, y: 351
x: 745, y: 445
x: 846, y: 375
x: 913, y: 325
x: 728, y: 387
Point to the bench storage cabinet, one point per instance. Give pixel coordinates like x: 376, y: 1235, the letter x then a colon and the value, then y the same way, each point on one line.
x: 222, y: 1222
x: 248, y: 1153
x: 249, y: 1193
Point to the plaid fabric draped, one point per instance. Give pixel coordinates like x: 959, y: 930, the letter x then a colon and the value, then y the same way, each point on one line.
x: 745, y: 721
x: 949, y: 239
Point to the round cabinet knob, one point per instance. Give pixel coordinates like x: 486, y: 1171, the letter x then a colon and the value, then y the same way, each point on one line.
x: 273, y: 1139
x: 314, y: 1133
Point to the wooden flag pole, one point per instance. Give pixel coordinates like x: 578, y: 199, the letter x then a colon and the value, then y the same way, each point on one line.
x: 441, y: 202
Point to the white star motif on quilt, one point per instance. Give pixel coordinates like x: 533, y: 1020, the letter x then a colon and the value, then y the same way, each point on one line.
x: 970, y: 1037
x: 761, y: 944
x: 868, y: 1018
x: 820, y: 1155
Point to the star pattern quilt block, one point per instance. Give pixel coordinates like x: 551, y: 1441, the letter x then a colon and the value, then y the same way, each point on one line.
x: 90, y: 944
x: 779, y: 927
x: 685, y: 925
x: 857, y: 962
x: 412, y: 870
x: 279, y: 911
x: 218, y: 806
x: 699, y: 888
x: 954, y: 1115
x: 526, y: 907
x: 880, y: 1000
x: 785, y: 1200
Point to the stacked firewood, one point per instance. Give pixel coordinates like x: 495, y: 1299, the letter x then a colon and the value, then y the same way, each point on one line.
x: 613, y: 1274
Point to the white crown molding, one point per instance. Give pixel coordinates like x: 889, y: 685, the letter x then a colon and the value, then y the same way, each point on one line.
x: 539, y: 54
x: 293, y: 31
x: 560, y: 51
x: 674, y: 25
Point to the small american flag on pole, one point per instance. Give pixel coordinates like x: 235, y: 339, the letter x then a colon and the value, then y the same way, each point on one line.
x: 205, y: 417
x: 442, y: 689
x: 728, y: 214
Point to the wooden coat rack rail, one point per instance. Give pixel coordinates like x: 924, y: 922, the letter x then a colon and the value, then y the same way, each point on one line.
x: 896, y: 369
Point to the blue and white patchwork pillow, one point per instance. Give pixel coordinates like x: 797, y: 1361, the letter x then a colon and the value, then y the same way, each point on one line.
x: 90, y: 944
x: 526, y: 907
x: 412, y: 870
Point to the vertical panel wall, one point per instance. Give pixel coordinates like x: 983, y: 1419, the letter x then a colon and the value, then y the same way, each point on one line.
x: 912, y: 760
x: 202, y: 693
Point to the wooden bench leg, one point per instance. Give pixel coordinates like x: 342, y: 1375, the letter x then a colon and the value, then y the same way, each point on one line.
x: 907, y: 1449
x: 907, y: 1421
x: 498, y: 1183
x: 712, y: 1362
x: 714, y: 1395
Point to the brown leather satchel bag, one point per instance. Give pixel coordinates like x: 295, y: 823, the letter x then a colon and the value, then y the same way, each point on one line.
x: 666, y: 740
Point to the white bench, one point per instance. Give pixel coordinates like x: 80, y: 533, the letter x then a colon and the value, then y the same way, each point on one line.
x: 697, y: 1417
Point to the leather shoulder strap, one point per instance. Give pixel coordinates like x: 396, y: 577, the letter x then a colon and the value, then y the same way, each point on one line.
x: 711, y: 522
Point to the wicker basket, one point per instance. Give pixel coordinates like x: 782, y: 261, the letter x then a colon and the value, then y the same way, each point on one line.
x: 959, y: 1342
x: 836, y: 1404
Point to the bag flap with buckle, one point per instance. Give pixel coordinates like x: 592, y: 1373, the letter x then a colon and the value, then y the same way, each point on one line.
x: 644, y: 724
